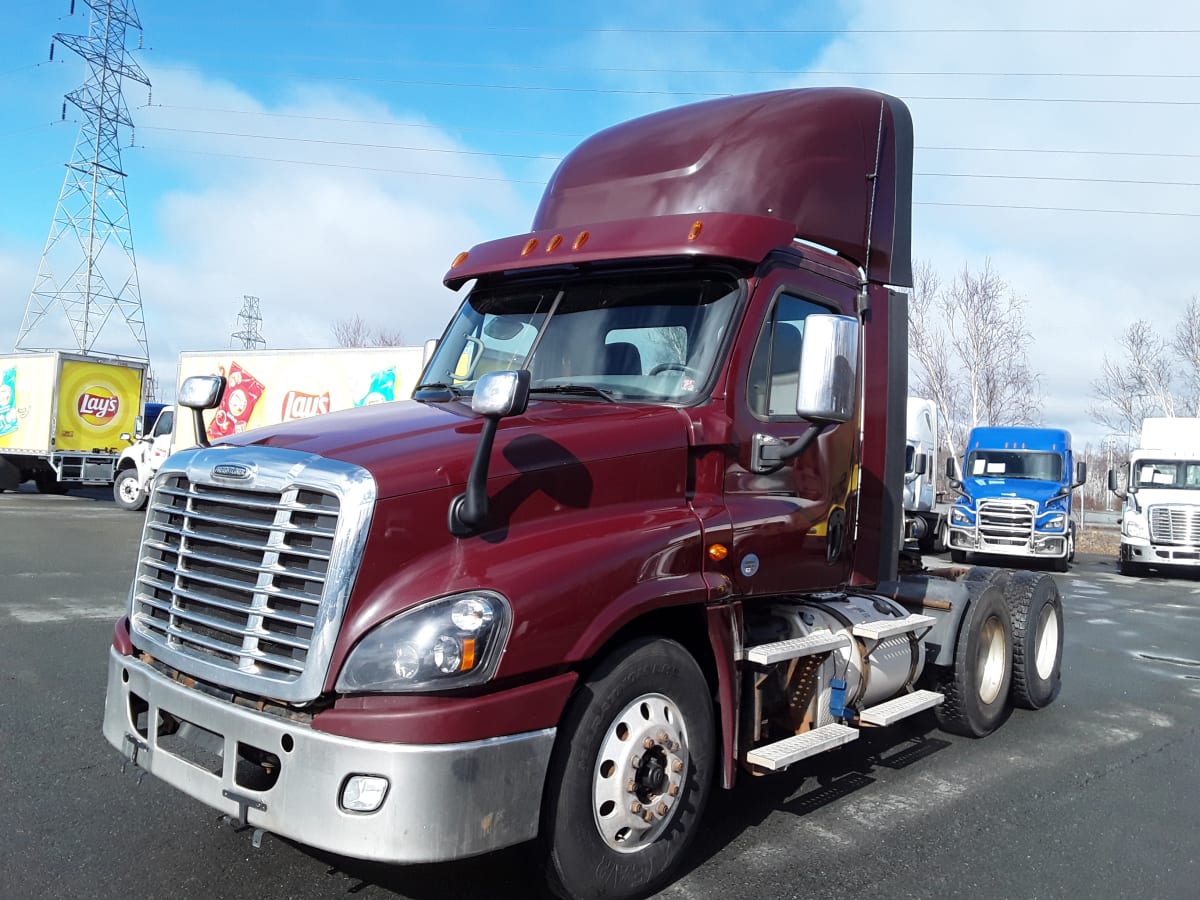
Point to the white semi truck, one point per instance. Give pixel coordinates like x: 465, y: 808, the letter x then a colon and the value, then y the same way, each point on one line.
x: 267, y: 387
x: 66, y: 417
x: 1160, y: 518
x: 924, y: 516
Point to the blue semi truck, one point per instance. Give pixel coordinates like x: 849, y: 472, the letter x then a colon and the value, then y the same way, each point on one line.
x: 1014, y: 495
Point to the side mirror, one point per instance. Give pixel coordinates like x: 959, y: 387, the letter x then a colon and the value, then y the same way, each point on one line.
x: 1112, y: 484
x: 429, y: 349
x: 828, y: 369
x: 497, y: 394
x: 198, y: 393
x: 921, y: 464
x: 952, y: 478
x: 127, y: 437
x: 1080, y: 473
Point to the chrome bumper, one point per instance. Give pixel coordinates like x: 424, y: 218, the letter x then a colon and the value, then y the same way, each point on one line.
x: 444, y: 801
x: 1050, y: 545
x: 1141, y: 550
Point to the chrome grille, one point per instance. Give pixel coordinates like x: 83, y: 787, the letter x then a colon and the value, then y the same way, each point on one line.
x: 243, y: 582
x: 1175, y: 525
x: 1006, y: 522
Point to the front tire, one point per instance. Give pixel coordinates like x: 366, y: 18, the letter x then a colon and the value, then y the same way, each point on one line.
x: 1037, y: 619
x: 128, y: 492
x: 976, y: 689
x: 958, y: 556
x: 630, y: 774
x: 48, y: 483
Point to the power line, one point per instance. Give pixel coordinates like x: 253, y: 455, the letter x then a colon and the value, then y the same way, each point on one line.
x: 301, y: 162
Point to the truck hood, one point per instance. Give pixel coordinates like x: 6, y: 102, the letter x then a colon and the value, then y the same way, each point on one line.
x: 1023, y: 488
x: 410, y: 447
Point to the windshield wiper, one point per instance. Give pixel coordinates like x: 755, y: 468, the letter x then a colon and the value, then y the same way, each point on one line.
x: 588, y: 390
x: 436, y: 392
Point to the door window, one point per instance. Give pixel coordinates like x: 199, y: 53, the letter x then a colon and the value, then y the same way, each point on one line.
x: 775, y: 367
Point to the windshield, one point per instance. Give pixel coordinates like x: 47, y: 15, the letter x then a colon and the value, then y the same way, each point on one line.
x: 639, y: 337
x: 1015, y: 464
x: 1163, y: 473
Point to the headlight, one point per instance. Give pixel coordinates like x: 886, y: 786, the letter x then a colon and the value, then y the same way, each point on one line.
x: 448, y: 643
x: 1135, y: 526
x: 959, y: 516
x: 1055, y: 522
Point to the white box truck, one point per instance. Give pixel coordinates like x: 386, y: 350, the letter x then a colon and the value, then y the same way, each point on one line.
x: 266, y: 387
x: 65, y: 417
x: 1160, y: 518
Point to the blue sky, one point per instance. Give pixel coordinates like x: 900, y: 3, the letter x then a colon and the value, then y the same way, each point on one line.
x: 332, y: 157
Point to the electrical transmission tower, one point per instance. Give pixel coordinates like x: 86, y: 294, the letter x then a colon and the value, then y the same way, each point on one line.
x: 249, y: 320
x: 90, y: 246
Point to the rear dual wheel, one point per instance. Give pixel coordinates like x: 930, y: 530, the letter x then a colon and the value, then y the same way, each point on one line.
x: 1035, y: 605
x: 976, y: 688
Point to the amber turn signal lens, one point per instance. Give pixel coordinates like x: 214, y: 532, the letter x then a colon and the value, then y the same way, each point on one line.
x: 529, y: 247
x: 554, y: 242
x: 580, y: 240
x: 697, y: 227
x: 717, y: 552
x: 459, y: 260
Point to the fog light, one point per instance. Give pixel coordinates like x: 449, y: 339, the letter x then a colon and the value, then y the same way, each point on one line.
x: 364, y: 793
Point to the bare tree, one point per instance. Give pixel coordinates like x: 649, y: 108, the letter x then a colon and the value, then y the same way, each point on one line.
x: 1137, y: 385
x: 969, y: 345
x: 1187, y: 347
x: 357, y: 333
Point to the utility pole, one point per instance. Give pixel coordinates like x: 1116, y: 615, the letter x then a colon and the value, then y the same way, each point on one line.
x: 90, y: 246
x: 249, y: 325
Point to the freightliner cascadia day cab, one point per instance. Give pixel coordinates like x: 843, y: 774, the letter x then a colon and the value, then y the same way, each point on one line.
x: 1160, y: 518
x: 66, y: 417
x: 637, y: 532
x: 1015, y: 495
x: 265, y: 387
x: 924, y: 517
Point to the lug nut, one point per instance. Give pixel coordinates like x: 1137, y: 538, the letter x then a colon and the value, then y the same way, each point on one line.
x: 648, y: 816
x: 677, y: 766
x: 635, y: 808
x: 636, y: 762
x: 630, y: 786
x: 674, y: 746
x: 661, y: 809
x: 663, y: 737
x: 673, y: 790
x: 647, y: 744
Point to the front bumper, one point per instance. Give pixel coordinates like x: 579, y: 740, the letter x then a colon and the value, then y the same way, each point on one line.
x: 1040, y: 546
x: 444, y: 801
x: 1140, y: 550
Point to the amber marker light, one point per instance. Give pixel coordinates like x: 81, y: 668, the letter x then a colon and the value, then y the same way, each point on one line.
x: 554, y: 243
x: 459, y: 260
x: 696, y: 228
x: 717, y: 552
x: 530, y: 246
x: 468, y: 654
x: 580, y: 240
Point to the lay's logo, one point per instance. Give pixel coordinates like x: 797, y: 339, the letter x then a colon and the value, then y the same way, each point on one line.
x: 298, y: 405
x: 97, y: 405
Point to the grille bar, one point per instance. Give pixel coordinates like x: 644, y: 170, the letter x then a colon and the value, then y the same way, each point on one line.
x: 1006, y: 521
x: 1178, y: 525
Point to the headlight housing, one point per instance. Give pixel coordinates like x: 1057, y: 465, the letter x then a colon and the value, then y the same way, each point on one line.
x: 1135, y: 525
x: 1055, y: 522
x: 447, y: 643
x: 959, y: 516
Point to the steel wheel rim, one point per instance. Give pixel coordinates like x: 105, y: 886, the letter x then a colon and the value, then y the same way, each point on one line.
x: 989, y: 667
x: 639, y: 773
x: 1046, y: 652
x: 129, y: 489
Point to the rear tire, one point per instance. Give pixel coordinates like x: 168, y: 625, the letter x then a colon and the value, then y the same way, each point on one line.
x: 976, y: 689
x: 1035, y: 606
x: 48, y: 483
x: 127, y: 491
x: 596, y: 839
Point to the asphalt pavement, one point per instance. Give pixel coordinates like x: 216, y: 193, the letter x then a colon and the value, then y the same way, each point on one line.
x: 1094, y: 796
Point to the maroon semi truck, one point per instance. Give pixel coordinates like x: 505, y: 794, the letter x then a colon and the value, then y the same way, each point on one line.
x: 638, y: 532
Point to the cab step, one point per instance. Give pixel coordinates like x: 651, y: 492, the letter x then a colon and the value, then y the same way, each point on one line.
x: 817, y: 642
x: 900, y: 708
x: 782, y: 754
x: 885, y: 628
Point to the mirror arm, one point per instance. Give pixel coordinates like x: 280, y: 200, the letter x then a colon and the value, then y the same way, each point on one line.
x: 469, y: 510
x: 201, y: 429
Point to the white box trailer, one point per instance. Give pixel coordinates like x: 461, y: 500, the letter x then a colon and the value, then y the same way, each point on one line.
x: 66, y: 417
x: 266, y: 387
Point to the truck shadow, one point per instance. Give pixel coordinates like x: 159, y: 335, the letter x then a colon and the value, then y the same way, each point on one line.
x: 515, y: 873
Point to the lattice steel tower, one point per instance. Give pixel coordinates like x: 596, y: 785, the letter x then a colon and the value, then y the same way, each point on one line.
x: 249, y: 322
x: 90, y: 238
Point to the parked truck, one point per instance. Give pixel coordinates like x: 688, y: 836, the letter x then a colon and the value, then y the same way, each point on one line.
x: 267, y: 387
x: 1160, y: 516
x: 636, y: 534
x: 65, y: 418
x: 1015, y: 495
x: 925, y: 516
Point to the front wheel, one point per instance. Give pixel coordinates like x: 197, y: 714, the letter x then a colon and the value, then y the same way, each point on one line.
x: 958, y: 556
x: 1037, y: 619
x: 630, y: 774
x: 128, y: 492
x: 976, y: 689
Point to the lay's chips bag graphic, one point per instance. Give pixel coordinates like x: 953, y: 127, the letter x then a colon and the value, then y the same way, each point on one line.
x: 382, y: 390
x: 8, y: 401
